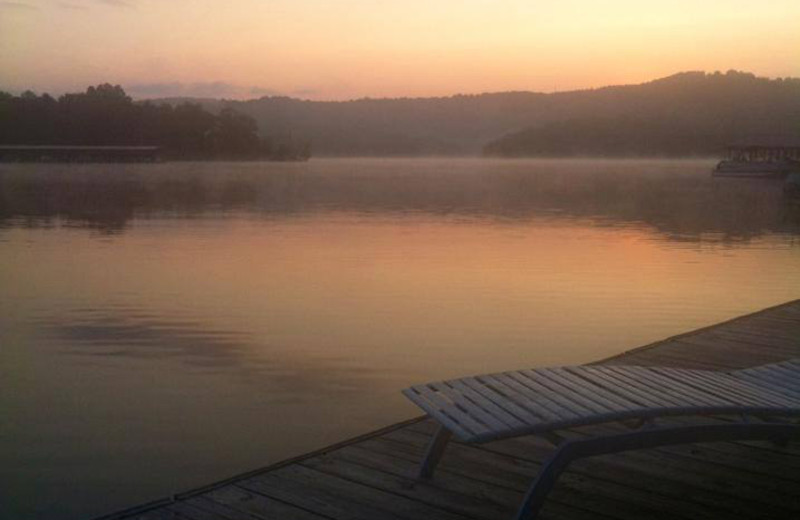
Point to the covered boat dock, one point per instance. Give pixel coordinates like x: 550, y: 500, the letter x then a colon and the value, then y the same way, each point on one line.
x: 764, y: 153
x: 36, y: 153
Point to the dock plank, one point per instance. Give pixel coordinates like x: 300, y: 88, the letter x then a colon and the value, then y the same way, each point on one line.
x: 234, y: 503
x: 648, y: 471
x: 188, y: 511
x: 614, y: 497
x: 303, y: 486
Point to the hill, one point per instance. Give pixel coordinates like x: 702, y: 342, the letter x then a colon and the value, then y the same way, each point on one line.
x: 704, y: 111
x: 682, y: 115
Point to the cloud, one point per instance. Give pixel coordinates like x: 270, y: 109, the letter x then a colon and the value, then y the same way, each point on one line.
x: 18, y: 6
x: 261, y: 91
x: 119, y: 3
x: 70, y: 5
x: 83, y: 5
x: 305, y: 93
x: 213, y: 89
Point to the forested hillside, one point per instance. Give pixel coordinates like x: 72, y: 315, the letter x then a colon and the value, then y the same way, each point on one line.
x: 688, y: 113
x: 106, y: 116
x: 684, y: 115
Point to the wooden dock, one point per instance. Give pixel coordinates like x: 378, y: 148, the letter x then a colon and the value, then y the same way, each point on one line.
x: 369, y: 477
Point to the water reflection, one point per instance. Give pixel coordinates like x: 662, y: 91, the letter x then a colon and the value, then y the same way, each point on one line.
x: 235, y: 314
x: 677, y: 198
x: 121, y: 332
x: 128, y: 333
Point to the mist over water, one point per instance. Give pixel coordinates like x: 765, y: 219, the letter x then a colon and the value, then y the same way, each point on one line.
x: 164, y: 326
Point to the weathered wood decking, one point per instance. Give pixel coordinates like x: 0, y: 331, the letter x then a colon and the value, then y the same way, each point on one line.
x: 370, y: 477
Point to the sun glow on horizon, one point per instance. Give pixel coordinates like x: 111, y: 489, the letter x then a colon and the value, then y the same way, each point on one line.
x: 343, y: 50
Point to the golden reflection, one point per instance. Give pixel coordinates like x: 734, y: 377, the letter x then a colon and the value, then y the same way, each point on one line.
x: 420, y: 294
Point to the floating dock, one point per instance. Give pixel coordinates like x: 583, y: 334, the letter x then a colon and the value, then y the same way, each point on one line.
x: 370, y: 477
x: 35, y: 153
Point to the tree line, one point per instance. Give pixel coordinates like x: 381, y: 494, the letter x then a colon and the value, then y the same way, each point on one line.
x: 105, y: 115
x: 687, y: 113
x: 625, y: 136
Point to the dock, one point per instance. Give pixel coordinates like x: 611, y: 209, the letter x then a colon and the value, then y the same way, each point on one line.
x: 371, y: 476
x: 105, y: 154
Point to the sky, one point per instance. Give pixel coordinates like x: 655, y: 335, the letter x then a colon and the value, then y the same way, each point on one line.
x: 347, y: 49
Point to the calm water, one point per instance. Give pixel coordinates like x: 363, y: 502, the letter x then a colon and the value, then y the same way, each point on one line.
x: 164, y: 326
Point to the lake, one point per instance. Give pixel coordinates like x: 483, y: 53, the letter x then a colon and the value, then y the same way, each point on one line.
x: 165, y: 326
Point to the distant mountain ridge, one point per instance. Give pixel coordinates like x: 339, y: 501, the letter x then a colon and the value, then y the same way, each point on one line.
x: 689, y: 113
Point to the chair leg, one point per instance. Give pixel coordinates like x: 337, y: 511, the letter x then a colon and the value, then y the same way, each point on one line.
x: 575, y: 449
x: 545, y: 480
x: 434, y: 452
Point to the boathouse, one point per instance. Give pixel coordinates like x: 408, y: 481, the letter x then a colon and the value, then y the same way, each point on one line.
x: 764, y: 153
x: 35, y: 153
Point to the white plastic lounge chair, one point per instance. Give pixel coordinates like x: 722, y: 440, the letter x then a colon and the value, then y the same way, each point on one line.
x: 763, y: 400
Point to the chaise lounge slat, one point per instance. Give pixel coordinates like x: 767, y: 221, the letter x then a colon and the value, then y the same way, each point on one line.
x: 562, y: 405
x: 711, y: 390
x: 475, y: 392
x: 544, y: 400
x: 639, y: 396
x: 779, y: 377
x: 580, y: 400
x: 600, y: 393
x: 651, y: 387
x: 502, y: 401
x: 731, y: 389
x: 515, y: 394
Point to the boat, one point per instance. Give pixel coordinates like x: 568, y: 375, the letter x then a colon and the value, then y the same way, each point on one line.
x: 759, y: 161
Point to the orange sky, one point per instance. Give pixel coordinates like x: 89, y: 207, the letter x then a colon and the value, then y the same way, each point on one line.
x: 384, y: 48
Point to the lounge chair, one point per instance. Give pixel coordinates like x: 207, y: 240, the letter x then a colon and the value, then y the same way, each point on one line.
x: 758, y: 403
